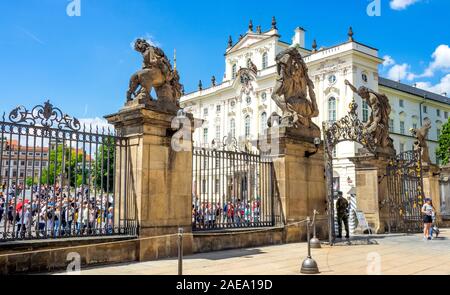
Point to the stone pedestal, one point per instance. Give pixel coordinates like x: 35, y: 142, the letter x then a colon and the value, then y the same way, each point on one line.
x: 300, y: 180
x: 431, y: 189
x: 371, y: 188
x: 159, y: 179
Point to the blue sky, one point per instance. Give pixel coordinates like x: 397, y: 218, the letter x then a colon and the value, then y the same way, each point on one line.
x: 83, y: 64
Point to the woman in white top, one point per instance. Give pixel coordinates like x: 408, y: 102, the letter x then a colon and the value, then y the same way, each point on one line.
x: 427, y: 211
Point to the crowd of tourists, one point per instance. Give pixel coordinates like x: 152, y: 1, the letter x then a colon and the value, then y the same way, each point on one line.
x: 52, y: 211
x: 236, y: 213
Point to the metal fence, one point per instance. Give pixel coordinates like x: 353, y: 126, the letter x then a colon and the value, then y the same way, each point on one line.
x: 405, y: 195
x: 60, y: 178
x: 233, y: 189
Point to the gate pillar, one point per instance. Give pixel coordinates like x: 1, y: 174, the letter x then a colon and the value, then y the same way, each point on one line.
x: 299, y: 179
x: 372, y: 188
x: 159, y: 178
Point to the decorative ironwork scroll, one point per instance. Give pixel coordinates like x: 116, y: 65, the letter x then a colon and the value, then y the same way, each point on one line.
x: 45, y: 115
x: 349, y: 128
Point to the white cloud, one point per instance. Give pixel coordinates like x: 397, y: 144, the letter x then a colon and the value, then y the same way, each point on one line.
x: 402, y: 4
x: 441, y: 87
x: 388, y: 61
x: 399, y: 72
x: 441, y: 58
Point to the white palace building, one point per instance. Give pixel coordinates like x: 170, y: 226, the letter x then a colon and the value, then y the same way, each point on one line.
x: 242, y: 109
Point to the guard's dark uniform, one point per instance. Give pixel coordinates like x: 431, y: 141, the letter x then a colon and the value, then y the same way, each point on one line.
x: 342, y: 215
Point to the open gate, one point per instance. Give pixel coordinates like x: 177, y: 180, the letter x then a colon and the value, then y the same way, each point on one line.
x: 405, y: 196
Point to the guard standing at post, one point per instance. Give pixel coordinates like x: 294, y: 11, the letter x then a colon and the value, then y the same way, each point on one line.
x: 342, y: 215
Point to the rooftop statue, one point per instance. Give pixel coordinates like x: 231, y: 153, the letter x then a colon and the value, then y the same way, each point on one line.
x: 378, y: 124
x: 292, y: 89
x: 156, y: 73
x: 421, y: 135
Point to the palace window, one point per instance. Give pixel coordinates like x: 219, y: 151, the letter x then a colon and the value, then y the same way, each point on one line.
x: 401, y: 103
x: 414, y: 126
x: 233, y: 128
x: 263, y: 96
x: 438, y: 132
x: 205, y: 112
x: 233, y: 71
x: 218, y: 108
x: 402, y: 147
x: 205, y: 135
x: 391, y: 125
x: 365, y: 111
x: 265, y: 60
x: 438, y: 112
x: 248, y: 100
x: 446, y: 115
x: 218, y: 132
x: 364, y: 77
x: 425, y: 109
x: 402, y: 127
x: 332, y: 109
x: 247, y: 126
x: 249, y: 63
x: 263, y: 122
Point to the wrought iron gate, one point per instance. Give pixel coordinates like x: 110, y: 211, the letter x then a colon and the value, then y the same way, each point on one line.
x: 61, y: 179
x: 405, y: 195
x: 232, y: 188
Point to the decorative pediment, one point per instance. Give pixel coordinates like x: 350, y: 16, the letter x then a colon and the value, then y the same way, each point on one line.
x: 332, y: 89
x: 248, y: 40
x: 247, y: 110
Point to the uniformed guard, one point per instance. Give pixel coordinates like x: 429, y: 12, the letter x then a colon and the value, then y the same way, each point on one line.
x: 342, y: 215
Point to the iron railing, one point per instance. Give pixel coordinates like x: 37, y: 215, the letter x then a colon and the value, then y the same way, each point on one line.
x: 61, y: 179
x: 233, y: 189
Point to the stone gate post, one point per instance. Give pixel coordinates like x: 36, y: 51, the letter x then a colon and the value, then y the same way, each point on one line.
x: 159, y: 179
x: 299, y: 172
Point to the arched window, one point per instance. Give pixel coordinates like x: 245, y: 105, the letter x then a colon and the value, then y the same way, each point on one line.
x: 233, y: 71
x: 265, y: 60
x: 332, y: 109
x: 248, y: 100
x: 233, y: 128
x: 365, y: 111
x: 263, y: 122
x: 218, y: 132
x: 247, y: 126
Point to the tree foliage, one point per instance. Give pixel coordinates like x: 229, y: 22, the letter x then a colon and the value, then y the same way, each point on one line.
x: 443, y: 149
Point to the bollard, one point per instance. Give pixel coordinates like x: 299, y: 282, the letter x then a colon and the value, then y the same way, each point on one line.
x: 315, y: 242
x: 180, y: 251
x: 309, y: 265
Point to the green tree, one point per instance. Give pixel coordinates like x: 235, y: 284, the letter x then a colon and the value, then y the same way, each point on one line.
x: 72, y: 164
x: 104, y: 165
x: 443, y: 149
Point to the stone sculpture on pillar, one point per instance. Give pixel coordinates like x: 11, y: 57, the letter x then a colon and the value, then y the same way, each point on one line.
x: 157, y: 74
x: 378, y: 124
x: 421, y: 135
x: 291, y: 92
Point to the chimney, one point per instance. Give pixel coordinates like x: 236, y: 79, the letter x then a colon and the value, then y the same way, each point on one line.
x: 299, y: 37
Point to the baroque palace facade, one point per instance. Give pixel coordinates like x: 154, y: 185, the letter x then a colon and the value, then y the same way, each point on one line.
x: 240, y: 107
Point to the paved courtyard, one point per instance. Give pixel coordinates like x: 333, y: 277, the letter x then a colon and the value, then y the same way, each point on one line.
x: 389, y: 255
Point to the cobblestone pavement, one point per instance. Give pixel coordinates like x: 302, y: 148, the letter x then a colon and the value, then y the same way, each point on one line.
x: 389, y: 255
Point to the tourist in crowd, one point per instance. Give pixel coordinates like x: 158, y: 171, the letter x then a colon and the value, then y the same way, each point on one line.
x: 427, y: 211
